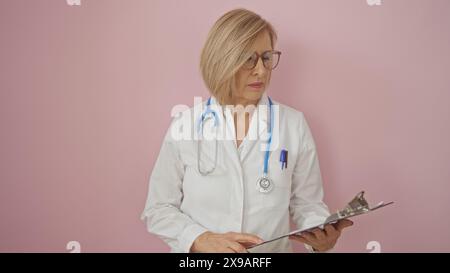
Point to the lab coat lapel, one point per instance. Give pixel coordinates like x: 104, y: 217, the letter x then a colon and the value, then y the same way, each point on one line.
x: 228, y: 133
x: 257, y: 128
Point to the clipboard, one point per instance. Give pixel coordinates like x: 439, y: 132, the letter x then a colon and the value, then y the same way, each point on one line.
x: 357, y: 206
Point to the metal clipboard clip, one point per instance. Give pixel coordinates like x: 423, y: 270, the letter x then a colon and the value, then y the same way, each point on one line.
x: 357, y: 206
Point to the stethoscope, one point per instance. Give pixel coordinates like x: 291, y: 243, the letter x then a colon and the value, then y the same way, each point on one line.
x: 264, y: 184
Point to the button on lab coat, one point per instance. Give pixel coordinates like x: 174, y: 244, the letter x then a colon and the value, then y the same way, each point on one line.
x: 182, y: 203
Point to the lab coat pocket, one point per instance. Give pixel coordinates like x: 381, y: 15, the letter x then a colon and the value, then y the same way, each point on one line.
x: 279, y: 196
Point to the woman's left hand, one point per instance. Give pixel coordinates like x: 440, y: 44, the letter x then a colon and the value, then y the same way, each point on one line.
x: 323, y: 240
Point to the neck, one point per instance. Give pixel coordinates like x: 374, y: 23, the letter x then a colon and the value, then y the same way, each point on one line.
x: 244, y: 102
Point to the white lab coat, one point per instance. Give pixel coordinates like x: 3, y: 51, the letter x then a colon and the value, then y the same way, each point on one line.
x: 182, y: 204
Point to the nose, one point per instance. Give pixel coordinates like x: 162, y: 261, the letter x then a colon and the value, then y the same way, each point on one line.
x: 260, y: 69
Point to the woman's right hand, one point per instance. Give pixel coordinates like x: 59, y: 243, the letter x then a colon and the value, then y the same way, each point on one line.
x: 230, y: 242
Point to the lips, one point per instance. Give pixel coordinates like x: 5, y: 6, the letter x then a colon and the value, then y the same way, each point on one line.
x: 256, y: 84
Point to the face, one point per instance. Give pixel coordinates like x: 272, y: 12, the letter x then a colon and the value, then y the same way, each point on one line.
x: 244, y: 93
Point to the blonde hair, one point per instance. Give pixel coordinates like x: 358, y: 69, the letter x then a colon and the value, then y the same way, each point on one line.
x: 225, y: 49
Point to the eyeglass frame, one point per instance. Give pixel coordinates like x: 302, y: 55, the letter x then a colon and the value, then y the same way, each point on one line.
x: 259, y: 56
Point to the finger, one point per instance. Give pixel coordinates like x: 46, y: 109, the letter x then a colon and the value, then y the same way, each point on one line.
x: 247, y: 244
x: 310, y: 237
x: 298, y: 239
x: 341, y: 224
x: 320, y: 235
x: 306, y: 238
x: 331, y: 231
x: 244, y: 237
x: 227, y: 250
x: 248, y: 238
x: 237, y: 247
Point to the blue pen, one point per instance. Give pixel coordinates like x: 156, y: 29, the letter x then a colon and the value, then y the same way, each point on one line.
x: 284, y: 158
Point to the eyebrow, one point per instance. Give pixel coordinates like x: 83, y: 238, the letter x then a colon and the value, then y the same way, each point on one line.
x: 260, y: 52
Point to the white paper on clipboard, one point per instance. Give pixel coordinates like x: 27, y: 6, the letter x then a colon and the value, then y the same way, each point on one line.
x: 357, y: 206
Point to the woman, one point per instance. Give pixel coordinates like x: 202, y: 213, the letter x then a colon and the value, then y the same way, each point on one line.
x: 222, y: 194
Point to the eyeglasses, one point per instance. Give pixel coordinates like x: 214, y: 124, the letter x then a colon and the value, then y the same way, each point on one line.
x: 269, y: 58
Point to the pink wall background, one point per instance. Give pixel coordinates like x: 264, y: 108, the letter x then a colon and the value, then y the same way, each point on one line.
x: 86, y: 94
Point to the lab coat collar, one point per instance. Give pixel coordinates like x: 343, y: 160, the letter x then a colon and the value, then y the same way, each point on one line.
x: 264, y: 100
x: 258, y: 124
x: 262, y: 117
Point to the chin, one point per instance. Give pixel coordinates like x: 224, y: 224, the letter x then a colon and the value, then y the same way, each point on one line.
x: 252, y: 94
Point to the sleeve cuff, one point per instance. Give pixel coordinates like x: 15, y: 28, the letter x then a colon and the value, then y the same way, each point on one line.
x: 189, y: 235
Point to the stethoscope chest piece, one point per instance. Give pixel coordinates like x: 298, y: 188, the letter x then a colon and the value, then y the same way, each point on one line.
x: 264, y: 184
